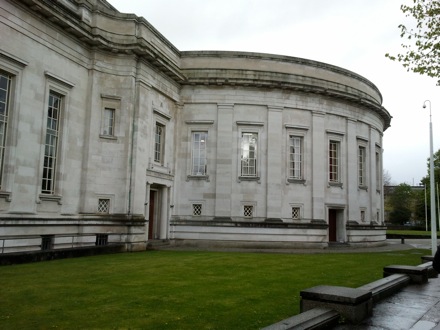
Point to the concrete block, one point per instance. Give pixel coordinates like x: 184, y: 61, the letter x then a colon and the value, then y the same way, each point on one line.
x: 353, y: 304
x: 416, y: 273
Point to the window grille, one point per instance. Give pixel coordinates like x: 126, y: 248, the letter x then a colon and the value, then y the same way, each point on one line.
x: 248, y: 211
x: 104, y: 205
x: 51, y: 143
x: 108, y: 122
x: 101, y: 239
x: 333, y: 161
x: 199, y: 163
x: 249, y: 154
x: 47, y: 242
x: 5, y: 90
x: 296, y: 157
x: 197, y: 209
x: 296, y: 215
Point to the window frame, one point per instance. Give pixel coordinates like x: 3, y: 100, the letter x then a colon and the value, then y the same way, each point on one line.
x: 334, y: 161
x: 291, y: 162
x: 61, y: 87
x: 198, y: 126
x: 14, y: 66
x: 194, y: 150
x: 253, y: 169
x: 362, y: 161
x: 379, y: 170
x: 7, y: 109
x: 159, y: 146
x: 52, y: 142
x: 254, y: 128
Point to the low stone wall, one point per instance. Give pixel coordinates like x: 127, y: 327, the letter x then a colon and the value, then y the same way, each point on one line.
x: 269, y: 234
x: 35, y: 256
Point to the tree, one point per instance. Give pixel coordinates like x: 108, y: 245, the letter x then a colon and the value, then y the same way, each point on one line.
x: 422, y: 50
x: 436, y: 158
x: 401, y: 200
x: 426, y: 180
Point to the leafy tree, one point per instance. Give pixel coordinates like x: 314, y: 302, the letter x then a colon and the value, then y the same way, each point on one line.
x: 422, y: 50
x: 426, y: 180
x: 401, y: 200
x: 436, y: 158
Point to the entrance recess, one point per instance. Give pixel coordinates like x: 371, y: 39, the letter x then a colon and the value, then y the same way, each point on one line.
x: 332, y: 225
x: 336, y: 225
x: 152, y: 215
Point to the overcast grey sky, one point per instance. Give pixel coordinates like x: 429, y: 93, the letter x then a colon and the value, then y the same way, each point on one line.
x: 353, y: 34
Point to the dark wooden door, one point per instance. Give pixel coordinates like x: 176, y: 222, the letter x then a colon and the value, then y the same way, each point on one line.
x: 332, y: 225
x: 151, y: 215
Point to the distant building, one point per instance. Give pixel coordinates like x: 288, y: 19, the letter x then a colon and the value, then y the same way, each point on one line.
x: 111, y: 134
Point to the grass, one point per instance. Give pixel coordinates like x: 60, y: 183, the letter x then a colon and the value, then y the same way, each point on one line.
x: 176, y: 289
x: 410, y: 232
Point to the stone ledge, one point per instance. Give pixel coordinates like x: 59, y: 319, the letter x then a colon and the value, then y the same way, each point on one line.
x: 427, y: 258
x: 316, y: 318
x: 432, y: 273
x: 387, y: 286
x: 417, y: 274
x: 353, y: 304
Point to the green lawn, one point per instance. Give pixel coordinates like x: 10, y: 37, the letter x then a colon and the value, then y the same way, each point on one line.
x: 177, y: 290
x: 410, y: 232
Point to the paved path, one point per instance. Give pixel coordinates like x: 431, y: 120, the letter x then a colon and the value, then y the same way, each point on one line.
x: 416, y: 307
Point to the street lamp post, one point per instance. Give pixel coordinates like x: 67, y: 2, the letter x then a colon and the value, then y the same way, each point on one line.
x: 431, y: 183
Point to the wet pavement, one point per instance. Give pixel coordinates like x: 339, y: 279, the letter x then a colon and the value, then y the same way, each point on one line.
x: 415, y: 307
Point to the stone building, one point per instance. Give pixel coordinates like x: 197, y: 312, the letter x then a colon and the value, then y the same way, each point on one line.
x: 109, y: 134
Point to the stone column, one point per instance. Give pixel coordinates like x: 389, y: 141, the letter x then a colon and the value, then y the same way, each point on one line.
x: 274, y: 162
x: 319, y: 165
x: 223, y: 169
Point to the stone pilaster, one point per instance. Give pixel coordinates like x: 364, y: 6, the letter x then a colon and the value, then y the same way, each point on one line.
x: 223, y: 189
x: 274, y: 161
x: 319, y: 163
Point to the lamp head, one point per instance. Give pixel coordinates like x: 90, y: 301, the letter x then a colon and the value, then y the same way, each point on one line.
x: 424, y: 106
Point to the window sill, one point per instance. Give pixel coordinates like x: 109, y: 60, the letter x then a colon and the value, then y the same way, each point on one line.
x: 296, y: 181
x: 363, y: 188
x: 6, y: 195
x: 249, y: 178
x: 107, y: 137
x: 335, y: 184
x: 197, y: 177
x: 50, y: 198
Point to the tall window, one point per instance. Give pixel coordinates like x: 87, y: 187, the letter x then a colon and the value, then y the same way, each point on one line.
x: 108, y: 122
x: 199, y: 163
x: 296, y: 157
x: 378, y: 170
x: 362, y: 166
x: 334, y: 160
x: 5, y: 90
x: 159, y: 139
x: 249, y: 154
x: 51, y: 143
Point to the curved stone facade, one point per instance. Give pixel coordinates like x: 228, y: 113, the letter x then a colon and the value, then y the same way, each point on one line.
x: 114, y: 135
x: 296, y: 110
